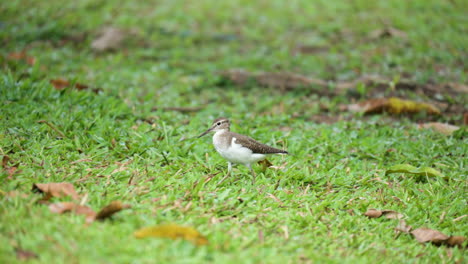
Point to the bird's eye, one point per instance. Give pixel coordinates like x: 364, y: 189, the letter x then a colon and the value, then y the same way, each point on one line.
x: 219, y: 123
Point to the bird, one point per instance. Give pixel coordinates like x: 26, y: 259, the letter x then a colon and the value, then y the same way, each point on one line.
x: 237, y: 148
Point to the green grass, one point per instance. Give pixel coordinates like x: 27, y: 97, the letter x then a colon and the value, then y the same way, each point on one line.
x: 115, y: 147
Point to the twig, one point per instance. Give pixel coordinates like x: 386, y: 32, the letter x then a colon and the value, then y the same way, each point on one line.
x: 53, y: 127
x: 179, y: 109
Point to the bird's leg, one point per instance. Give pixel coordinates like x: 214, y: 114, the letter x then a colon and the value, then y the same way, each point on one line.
x: 252, y: 172
x: 227, y: 174
x: 229, y: 167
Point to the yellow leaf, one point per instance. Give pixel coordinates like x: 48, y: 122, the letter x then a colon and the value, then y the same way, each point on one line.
x: 172, y: 231
x: 406, y: 168
x: 398, y: 106
x: 393, y: 105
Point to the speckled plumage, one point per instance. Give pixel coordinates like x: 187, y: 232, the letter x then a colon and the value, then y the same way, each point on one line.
x: 237, y: 148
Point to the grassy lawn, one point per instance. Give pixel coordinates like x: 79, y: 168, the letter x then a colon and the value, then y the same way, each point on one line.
x: 117, y: 140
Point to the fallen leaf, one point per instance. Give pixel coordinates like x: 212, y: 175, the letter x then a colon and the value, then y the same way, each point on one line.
x: 389, y: 214
x: 403, y: 227
x: 22, y: 254
x: 393, y: 105
x: 10, y: 170
x: 424, y: 235
x: 406, y: 168
x: 172, y: 231
x: 287, y: 80
x: 64, y: 207
x: 309, y: 49
x: 459, y: 87
x: 387, y: 32
x: 111, y: 209
x: 455, y: 241
x: 110, y: 38
x: 59, y: 189
x: 265, y: 164
x: 81, y: 87
x: 282, y: 80
x: 5, y: 161
x: 22, y: 56
x: 380, y: 85
x: 443, y: 128
x: 373, y: 213
x: 60, y: 84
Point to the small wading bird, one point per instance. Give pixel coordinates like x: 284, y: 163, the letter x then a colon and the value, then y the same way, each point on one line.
x: 237, y: 148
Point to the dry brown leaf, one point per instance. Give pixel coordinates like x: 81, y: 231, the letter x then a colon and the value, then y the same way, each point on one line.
x: 389, y: 214
x: 5, y: 161
x: 59, y: 189
x: 64, y: 207
x: 265, y: 164
x: 373, y: 213
x: 459, y: 87
x: 10, y: 170
x: 424, y: 235
x: 172, y: 231
x: 22, y: 56
x: 237, y: 76
x: 282, y: 80
x: 403, y: 227
x: 379, y: 85
x: 111, y: 209
x: 455, y: 241
x: 110, y: 38
x: 387, y: 32
x: 309, y: 49
x: 443, y: 128
x: 287, y: 80
x: 23, y: 255
x: 91, y: 215
x: 60, y: 84
x: 393, y: 105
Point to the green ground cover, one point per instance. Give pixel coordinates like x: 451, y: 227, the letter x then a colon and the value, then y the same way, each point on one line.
x: 121, y: 143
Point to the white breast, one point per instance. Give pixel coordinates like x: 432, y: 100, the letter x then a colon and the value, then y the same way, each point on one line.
x: 234, y: 152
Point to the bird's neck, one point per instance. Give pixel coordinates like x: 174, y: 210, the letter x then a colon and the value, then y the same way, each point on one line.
x: 221, y: 131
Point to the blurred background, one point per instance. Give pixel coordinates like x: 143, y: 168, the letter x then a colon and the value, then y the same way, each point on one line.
x: 157, y: 54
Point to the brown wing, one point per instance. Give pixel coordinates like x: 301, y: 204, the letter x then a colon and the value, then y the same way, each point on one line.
x: 254, y: 145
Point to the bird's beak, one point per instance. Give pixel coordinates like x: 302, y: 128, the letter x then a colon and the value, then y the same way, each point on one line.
x: 204, y: 133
